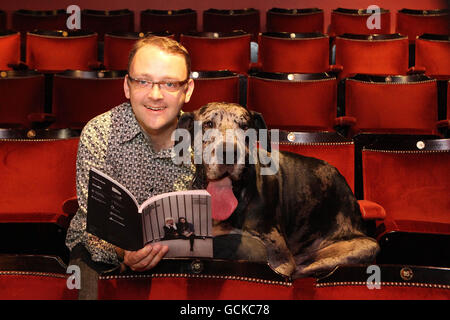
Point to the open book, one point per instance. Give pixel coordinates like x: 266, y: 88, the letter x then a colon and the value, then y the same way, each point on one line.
x: 115, y: 216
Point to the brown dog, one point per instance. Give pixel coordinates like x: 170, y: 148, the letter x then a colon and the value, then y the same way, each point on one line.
x: 304, y: 212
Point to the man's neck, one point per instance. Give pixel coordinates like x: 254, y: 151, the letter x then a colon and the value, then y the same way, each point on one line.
x: 160, y: 141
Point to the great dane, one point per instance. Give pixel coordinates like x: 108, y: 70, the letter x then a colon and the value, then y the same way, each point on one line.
x: 304, y: 213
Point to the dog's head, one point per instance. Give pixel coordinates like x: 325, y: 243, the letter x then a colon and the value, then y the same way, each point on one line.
x: 224, y: 132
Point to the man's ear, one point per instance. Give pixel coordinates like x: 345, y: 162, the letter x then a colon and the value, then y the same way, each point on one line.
x: 126, y: 88
x: 258, y: 120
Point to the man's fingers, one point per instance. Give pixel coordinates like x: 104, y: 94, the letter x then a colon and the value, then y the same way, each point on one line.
x: 153, y: 257
x: 134, y: 257
x: 159, y: 255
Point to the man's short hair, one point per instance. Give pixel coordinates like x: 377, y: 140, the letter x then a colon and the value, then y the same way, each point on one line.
x: 163, y: 43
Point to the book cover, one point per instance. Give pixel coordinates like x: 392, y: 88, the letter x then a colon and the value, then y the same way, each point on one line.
x: 182, y: 219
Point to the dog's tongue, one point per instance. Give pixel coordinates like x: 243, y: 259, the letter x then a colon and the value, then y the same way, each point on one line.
x: 223, y: 201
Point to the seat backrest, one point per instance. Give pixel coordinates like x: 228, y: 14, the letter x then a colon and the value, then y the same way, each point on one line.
x: 80, y: 96
x: 393, y: 104
x: 409, y: 179
x: 212, y: 51
x: 433, y: 54
x: 217, y: 20
x: 3, y: 20
x: 294, y: 101
x: 61, y: 50
x: 295, y: 20
x: 117, y: 46
x: 9, y: 48
x: 448, y: 99
x: 29, y: 20
x: 294, y: 52
x: 356, y: 21
x: 219, y: 86
x: 328, y: 146
x: 34, y: 277
x: 37, y: 176
x: 174, y: 21
x: 22, y: 93
x: 101, y: 21
x: 414, y: 23
x: 372, y: 54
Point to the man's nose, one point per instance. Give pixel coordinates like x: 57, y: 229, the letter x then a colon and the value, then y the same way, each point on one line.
x: 155, y: 92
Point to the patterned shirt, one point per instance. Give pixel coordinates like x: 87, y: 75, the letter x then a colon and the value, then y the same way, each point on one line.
x: 115, y: 143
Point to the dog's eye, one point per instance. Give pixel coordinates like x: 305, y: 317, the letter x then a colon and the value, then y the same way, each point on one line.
x: 244, y: 127
x: 207, y: 124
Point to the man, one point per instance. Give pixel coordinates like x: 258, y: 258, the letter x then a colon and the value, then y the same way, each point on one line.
x: 132, y: 143
x: 186, y: 231
x: 170, y: 229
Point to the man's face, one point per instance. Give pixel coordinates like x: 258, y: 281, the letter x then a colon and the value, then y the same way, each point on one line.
x: 156, y: 110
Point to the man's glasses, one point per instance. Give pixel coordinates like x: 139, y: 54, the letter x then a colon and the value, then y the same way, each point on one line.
x: 170, y: 86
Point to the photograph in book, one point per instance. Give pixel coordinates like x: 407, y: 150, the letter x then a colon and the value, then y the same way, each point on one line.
x: 181, y: 220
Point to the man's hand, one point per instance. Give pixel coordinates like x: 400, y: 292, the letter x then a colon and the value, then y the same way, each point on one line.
x: 145, y: 258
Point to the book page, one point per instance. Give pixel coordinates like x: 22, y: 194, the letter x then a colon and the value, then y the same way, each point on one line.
x: 118, y: 184
x: 112, y: 212
x: 182, y: 220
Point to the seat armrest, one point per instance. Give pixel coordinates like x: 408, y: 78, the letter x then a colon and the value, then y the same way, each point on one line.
x: 345, y: 121
x: 371, y: 210
x: 70, y: 206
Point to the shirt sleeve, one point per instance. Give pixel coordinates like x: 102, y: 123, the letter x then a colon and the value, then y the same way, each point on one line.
x: 92, y: 150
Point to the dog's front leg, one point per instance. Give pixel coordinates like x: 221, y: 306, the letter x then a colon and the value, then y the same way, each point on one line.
x: 279, y: 256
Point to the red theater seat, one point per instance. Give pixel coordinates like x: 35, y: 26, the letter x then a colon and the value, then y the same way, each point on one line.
x: 30, y: 20
x: 10, y: 49
x: 409, y: 179
x: 295, y: 20
x: 219, y: 86
x: 329, y: 146
x: 392, y: 104
x: 174, y: 21
x: 80, y: 96
x: 212, y: 51
x: 433, y: 55
x: 355, y: 21
x: 395, y: 282
x: 215, y: 20
x: 174, y: 279
x: 61, y: 50
x: 117, y: 46
x: 297, y: 102
x: 34, y: 277
x: 38, y: 175
x: 294, y: 52
x: 22, y: 93
x: 414, y: 23
x: 37, y: 170
x: 371, y: 54
x: 103, y: 21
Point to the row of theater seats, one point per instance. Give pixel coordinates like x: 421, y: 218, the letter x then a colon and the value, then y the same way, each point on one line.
x: 404, y: 202
x: 414, y: 104
x: 409, y: 22
x: 345, y: 283
x: 347, y: 54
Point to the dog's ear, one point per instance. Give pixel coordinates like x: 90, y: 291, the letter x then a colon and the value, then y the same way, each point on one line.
x: 186, y: 121
x: 258, y: 120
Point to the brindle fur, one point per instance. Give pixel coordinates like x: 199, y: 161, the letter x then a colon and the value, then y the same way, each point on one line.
x: 306, y: 215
